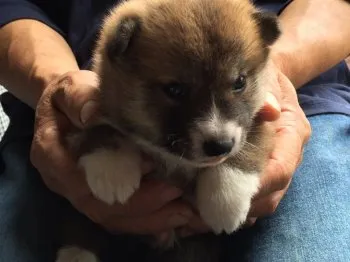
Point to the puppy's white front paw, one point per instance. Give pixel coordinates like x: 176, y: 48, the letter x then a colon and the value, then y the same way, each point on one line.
x: 75, y: 254
x: 112, y: 175
x: 224, y: 196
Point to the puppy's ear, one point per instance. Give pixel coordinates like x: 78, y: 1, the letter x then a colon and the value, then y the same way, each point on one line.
x: 125, y: 33
x: 268, y: 25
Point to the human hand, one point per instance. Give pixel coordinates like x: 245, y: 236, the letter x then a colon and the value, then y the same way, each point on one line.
x: 293, y: 131
x: 71, y: 101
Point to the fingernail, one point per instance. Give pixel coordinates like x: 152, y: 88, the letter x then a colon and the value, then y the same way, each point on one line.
x: 171, y: 193
x: 177, y: 220
x: 271, y: 100
x: 87, y: 111
x: 250, y: 222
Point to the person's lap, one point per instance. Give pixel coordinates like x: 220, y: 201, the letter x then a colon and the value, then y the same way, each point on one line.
x: 312, y: 222
x: 26, y: 206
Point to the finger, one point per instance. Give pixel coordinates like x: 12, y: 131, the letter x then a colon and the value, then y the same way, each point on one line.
x: 173, y: 215
x: 162, y: 238
x: 282, y: 162
x: 271, y: 109
x: 47, y: 147
x: 186, y: 231
x: 292, y: 105
x: 53, y: 152
x: 276, y: 176
x: 288, y: 144
x: 195, y: 226
x: 266, y: 206
x: 151, y: 196
x: 77, y: 97
x: 250, y: 222
x: 288, y: 91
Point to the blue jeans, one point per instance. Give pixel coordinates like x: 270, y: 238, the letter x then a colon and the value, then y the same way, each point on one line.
x: 312, y: 222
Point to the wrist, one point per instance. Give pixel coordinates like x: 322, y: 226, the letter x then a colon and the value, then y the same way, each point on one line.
x: 32, y: 55
x: 283, y: 62
x: 41, y: 77
x: 312, y: 41
x: 292, y: 65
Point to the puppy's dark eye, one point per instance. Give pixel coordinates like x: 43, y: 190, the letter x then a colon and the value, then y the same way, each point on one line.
x: 175, y: 91
x: 239, y: 84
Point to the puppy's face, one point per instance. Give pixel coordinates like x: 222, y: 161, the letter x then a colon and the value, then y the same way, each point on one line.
x: 182, y: 77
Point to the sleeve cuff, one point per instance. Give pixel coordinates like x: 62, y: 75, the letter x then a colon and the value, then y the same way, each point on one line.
x: 276, y: 8
x: 15, y: 11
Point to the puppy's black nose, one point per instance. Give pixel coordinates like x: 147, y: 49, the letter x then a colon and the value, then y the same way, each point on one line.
x: 217, y: 148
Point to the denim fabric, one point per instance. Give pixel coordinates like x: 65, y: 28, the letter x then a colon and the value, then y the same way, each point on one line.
x: 311, y: 224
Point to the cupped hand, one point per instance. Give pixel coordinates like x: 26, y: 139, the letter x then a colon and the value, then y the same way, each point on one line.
x: 71, y: 101
x: 292, y: 132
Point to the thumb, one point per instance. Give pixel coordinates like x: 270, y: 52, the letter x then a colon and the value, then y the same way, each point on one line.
x: 76, y: 94
x: 271, y: 109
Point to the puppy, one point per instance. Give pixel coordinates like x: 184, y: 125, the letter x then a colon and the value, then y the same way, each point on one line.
x: 181, y: 80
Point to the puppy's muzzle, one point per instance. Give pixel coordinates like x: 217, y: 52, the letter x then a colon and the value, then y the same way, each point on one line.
x: 217, y: 148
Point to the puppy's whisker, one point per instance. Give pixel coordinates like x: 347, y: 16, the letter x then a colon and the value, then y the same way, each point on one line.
x: 254, y: 132
x: 241, y: 155
x: 246, y: 143
x: 182, y: 155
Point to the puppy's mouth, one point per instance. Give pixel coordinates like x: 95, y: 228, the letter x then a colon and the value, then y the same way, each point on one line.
x: 213, y: 161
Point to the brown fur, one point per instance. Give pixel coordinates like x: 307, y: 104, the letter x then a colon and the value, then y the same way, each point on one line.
x: 202, y: 44
x: 172, y: 39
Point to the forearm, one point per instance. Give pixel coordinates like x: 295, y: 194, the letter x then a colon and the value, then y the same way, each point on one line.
x: 316, y: 36
x: 32, y: 54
